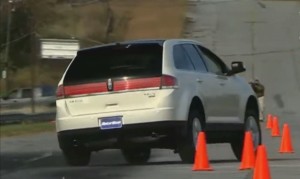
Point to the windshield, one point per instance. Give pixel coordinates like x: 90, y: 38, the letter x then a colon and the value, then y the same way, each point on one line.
x: 129, y: 60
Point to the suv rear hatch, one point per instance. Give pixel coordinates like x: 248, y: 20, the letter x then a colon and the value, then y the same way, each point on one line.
x: 114, y: 78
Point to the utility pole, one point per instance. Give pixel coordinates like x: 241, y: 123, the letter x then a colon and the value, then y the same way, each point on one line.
x: 33, y: 59
x: 109, y: 21
x: 253, y: 49
x: 253, y: 23
x: 5, y: 74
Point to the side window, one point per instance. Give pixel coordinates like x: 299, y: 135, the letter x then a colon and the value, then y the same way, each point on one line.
x: 13, y: 94
x: 48, y: 91
x: 212, y: 62
x: 181, y: 59
x: 195, y: 57
x: 26, y: 93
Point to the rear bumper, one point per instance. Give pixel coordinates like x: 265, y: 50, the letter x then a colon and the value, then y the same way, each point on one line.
x: 128, y: 117
x: 154, y: 134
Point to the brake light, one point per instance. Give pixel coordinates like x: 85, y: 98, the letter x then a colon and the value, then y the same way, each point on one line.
x: 137, y: 83
x: 85, y: 89
x: 60, y: 92
x: 165, y: 81
x: 168, y: 81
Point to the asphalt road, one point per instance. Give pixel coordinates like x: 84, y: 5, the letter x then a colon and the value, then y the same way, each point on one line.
x: 264, y: 36
x: 38, y: 156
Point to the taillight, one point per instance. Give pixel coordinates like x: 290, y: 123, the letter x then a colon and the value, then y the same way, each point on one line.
x: 168, y: 81
x: 83, y: 89
x: 60, y: 92
x: 133, y: 84
x: 165, y: 81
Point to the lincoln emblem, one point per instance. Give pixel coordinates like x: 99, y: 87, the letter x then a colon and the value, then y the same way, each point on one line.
x: 109, y: 84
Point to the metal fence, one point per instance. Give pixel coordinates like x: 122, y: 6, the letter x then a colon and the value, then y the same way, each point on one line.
x: 22, y: 118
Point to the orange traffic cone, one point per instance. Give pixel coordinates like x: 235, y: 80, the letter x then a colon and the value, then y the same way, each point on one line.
x: 286, y: 141
x: 201, y: 159
x: 248, y: 156
x: 269, y: 121
x: 261, y: 169
x: 275, y: 127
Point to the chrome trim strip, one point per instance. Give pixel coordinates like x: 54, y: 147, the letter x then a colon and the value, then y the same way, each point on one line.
x: 111, y: 92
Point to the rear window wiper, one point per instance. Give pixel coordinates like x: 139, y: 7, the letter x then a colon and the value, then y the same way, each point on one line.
x: 127, y: 67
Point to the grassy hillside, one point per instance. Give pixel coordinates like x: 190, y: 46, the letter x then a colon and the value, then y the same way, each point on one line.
x: 153, y: 19
x: 131, y: 19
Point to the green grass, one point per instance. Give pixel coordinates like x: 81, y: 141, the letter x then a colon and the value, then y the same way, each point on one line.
x: 26, y: 129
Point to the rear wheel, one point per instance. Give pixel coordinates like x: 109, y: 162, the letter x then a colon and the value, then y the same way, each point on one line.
x: 136, y: 155
x: 251, y: 124
x: 77, y: 157
x: 188, y: 144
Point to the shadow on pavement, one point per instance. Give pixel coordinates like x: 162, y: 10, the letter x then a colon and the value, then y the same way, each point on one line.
x: 14, y: 161
x: 157, y: 163
x: 284, y: 159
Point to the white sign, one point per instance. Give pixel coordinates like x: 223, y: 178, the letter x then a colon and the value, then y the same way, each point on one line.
x: 4, y: 74
x: 59, y: 48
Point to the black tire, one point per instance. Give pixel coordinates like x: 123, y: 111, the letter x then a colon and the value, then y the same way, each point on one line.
x: 237, y: 145
x: 187, y: 147
x: 136, y: 155
x: 77, y: 157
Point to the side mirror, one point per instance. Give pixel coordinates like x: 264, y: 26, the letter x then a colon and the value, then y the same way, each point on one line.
x: 236, y: 67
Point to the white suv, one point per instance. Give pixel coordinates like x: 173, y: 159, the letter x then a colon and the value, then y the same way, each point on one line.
x: 146, y: 94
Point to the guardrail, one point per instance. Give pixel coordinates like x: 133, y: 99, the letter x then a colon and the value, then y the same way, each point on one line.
x: 20, y: 118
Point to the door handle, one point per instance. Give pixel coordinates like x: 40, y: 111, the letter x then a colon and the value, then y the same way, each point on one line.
x: 222, y: 84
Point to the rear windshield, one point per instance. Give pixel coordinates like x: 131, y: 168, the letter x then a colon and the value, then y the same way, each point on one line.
x: 130, y: 60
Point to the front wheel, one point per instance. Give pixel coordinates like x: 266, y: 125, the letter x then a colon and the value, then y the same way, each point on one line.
x: 188, y: 145
x: 252, y: 125
x: 136, y: 155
